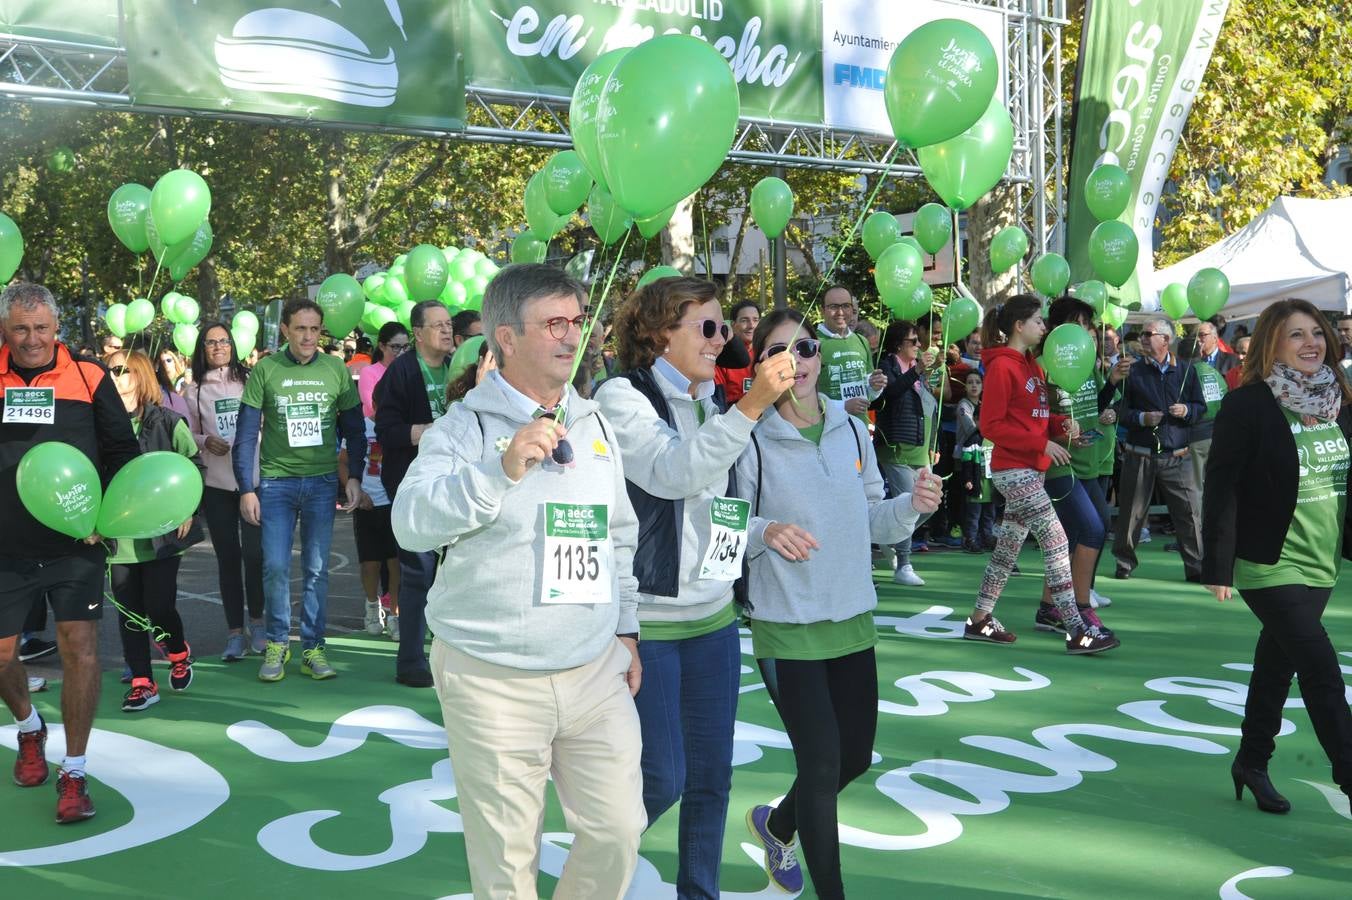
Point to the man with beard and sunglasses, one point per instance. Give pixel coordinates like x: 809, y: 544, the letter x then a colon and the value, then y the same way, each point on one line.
x: 534, y: 607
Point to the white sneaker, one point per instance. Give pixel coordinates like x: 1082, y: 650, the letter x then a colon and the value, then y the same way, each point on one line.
x: 1144, y: 536
x: 1097, y: 600
x: 392, y: 623
x: 373, y: 618
x: 885, y: 558
x: 906, y: 575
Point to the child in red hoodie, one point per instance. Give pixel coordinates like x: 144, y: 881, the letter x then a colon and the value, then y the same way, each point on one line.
x: 1016, y: 418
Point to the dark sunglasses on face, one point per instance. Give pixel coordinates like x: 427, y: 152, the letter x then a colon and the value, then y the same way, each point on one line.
x: 804, y: 349
x: 709, y: 327
x: 118, y: 371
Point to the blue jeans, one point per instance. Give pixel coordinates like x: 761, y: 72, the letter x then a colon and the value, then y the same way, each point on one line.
x: 687, y: 707
x: 312, y: 499
x: 1078, y: 514
x: 978, y: 521
x: 417, y: 571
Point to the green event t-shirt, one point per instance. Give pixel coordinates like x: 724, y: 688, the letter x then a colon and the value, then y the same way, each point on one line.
x: 143, y: 549
x: 434, y: 379
x: 1086, y: 459
x: 815, y: 640
x: 1213, y: 388
x: 814, y: 432
x: 300, y: 405
x: 1311, y: 554
x: 847, y: 363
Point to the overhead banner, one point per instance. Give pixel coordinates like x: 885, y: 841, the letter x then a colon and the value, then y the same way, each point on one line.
x: 858, y: 39
x: 1140, y: 67
x: 373, y: 62
x: 80, y: 21
x: 542, y: 46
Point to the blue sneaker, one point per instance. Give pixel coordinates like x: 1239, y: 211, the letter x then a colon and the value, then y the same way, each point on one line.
x: 781, y: 861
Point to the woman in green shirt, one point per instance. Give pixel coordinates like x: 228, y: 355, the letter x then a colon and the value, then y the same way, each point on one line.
x: 1274, y: 518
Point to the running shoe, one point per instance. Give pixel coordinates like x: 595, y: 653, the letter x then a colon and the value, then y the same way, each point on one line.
x: 906, y: 575
x: 952, y: 541
x: 180, y: 668
x: 126, y: 676
x: 144, y: 693
x: 258, y: 638
x: 781, y: 860
x: 1048, y: 618
x: 30, y: 768
x: 72, y: 799
x: 1091, y: 618
x: 316, y: 664
x: 971, y: 547
x: 35, y: 648
x: 372, y: 620
x: 1091, y: 640
x: 236, y: 648
x: 988, y: 629
x: 36, y: 684
x: 1098, y: 601
x: 919, y: 547
x: 275, y: 659
x: 392, y: 623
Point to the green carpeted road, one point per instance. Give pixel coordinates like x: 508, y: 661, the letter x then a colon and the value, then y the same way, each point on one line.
x: 1000, y: 771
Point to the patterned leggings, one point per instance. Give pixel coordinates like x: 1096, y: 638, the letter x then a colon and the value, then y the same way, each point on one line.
x: 1028, y: 508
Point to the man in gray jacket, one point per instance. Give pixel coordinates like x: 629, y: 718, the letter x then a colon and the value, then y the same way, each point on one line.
x: 534, y: 609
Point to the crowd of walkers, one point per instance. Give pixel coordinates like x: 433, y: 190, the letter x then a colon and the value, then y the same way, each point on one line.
x: 584, y: 543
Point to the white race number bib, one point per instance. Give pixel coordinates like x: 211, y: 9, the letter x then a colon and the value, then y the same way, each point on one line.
x: 227, y: 414
x: 578, y: 563
x: 727, y: 539
x: 303, y: 428
x: 30, y: 405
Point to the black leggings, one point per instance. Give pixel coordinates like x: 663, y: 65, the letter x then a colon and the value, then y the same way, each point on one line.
x: 830, y: 709
x: 1294, y: 642
x: 235, y: 542
x: 148, y: 589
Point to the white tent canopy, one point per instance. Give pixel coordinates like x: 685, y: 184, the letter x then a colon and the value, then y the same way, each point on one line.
x: 1295, y: 248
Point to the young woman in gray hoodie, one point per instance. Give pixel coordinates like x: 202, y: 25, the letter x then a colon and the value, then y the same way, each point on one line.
x: 817, y: 504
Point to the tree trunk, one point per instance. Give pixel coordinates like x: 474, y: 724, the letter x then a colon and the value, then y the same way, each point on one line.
x: 735, y: 256
x: 678, y: 238
x: 208, y: 289
x: 986, y: 217
x: 804, y: 245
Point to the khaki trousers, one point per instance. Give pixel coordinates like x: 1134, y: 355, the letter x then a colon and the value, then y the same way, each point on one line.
x: 509, y: 730
x: 1198, y: 452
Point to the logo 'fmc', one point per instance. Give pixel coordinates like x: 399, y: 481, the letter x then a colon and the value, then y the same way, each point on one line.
x: 859, y: 76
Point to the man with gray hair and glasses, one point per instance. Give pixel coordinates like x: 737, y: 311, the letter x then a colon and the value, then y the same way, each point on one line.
x: 50, y: 396
x: 534, y: 608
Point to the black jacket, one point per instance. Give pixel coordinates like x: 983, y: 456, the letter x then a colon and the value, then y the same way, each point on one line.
x: 1249, y: 494
x: 901, y: 415
x: 1224, y: 361
x: 1146, y: 389
x: 157, y: 433
x: 401, y: 403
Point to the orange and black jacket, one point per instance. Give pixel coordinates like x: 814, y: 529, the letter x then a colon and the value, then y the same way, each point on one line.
x: 89, y: 416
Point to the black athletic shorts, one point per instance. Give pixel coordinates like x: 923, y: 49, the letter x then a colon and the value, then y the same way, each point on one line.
x: 375, y: 536
x: 73, y: 585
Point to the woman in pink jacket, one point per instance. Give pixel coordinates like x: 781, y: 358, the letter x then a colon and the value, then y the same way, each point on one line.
x: 213, y: 405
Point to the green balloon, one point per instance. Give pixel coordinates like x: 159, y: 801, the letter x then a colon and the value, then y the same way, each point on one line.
x: 880, y: 232
x: 127, y: 209
x: 916, y: 305
x: 168, y: 306
x: 1112, y: 251
x: 652, y: 227
x: 465, y: 356
x: 933, y: 227
x: 607, y: 219
x: 475, y: 288
x: 116, y: 319
x: 657, y: 273
x: 567, y: 182
x: 1051, y: 274
x: 245, y: 319
x: 543, y: 221
x: 140, y: 313
x: 153, y: 239
x: 527, y: 249
x: 11, y: 248
x: 485, y: 267
x: 1068, y: 356
x: 962, y: 169
x: 425, y: 272
x: 187, y: 309
x: 60, y: 487
x: 1095, y: 293
x: 179, y: 258
x: 150, y: 496
x: 899, y: 271
x: 1207, y: 292
x: 772, y: 206
x: 1009, y: 245
x: 372, y: 287
x: 1174, y: 301
x: 62, y: 160
x: 1107, y: 191
x: 582, y: 111
x: 960, y: 319
x: 394, y: 292
x: 939, y: 82
x: 404, y: 314
x: 667, y: 118
x: 340, y: 296
x: 180, y: 202
x: 1114, y: 315
x: 454, y: 294
x: 245, y: 341
x: 185, y: 338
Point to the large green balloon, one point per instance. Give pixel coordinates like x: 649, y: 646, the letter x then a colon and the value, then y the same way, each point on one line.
x: 150, y: 496
x: 454, y: 295
x: 185, y: 338
x: 1114, y: 315
x: 567, y: 182
x: 543, y: 221
x: 404, y: 314
x: 1008, y: 247
x: 11, y: 248
x: 1068, y: 356
x: 899, y: 270
x: 60, y: 487
x: 180, y: 258
x: 667, y: 119
x: 116, y: 319
x: 880, y: 232
x: 659, y: 272
x: 1174, y: 301
x: 772, y: 206
x: 246, y: 319
x: 140, y: 313
x: 462, y: 267
x: 962, y: 169
x: 933, y: 227
x: 1051, y: 274
x: 1107, y: 191
x: 1207, y: 292
x: 394, y: 292
x: 939, y: 82
x: 607, y: 219
x: 961, y: 318
x: 127, y: 208
x: 187, y: 310
x: 169, y: 306
x: 526, y: 249
x: 180, y: 202
x: 582, y: 112
x: 425, y: 272
x: 373, y: 286
x: 153, y: 239
x: 652, y: 226
x: 465, y: 356
x: 1112, y: 251
x: 1095, y: 293
x: 916, y: 305
x: 340, y: 296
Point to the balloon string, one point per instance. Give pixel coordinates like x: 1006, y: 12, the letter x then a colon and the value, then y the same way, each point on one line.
x: 135, y: 621
x: 590, y: 325
x: 704, y: 226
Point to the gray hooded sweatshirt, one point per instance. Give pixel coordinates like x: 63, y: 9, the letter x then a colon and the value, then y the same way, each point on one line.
x: 486, y: 598
x: 834, y: 491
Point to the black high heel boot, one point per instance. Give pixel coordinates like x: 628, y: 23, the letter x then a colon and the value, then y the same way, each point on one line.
x: 1258, y: 783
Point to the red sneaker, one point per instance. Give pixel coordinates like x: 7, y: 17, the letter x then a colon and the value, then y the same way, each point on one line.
x: 30, y: 769
x: 72, y: 799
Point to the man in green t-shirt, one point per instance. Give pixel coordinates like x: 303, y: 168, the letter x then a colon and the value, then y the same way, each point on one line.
x: 1214, y: 388
x: 301, y: 400
x: 847, y: 371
